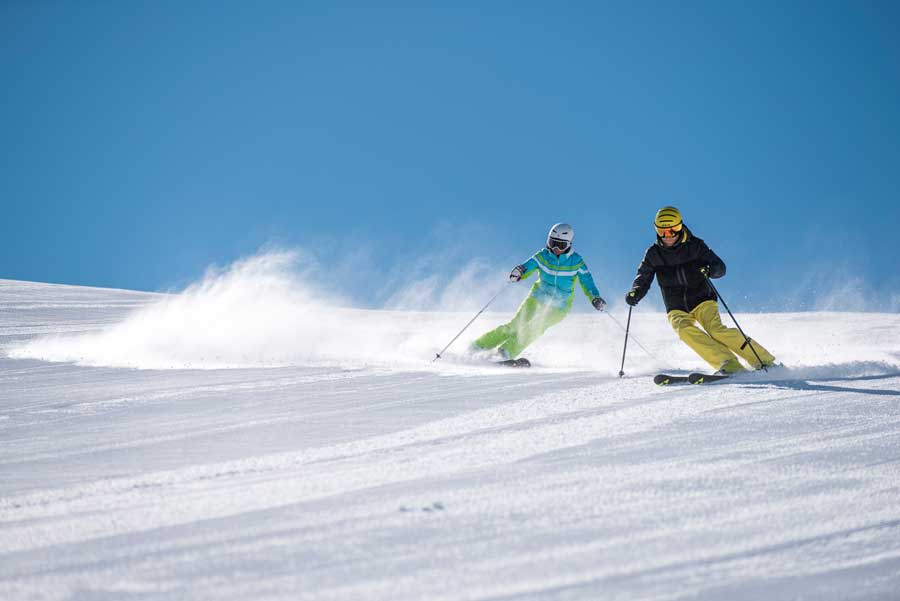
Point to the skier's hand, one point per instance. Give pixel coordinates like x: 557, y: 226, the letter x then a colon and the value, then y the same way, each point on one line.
x: 631, y: 298
x: 705, y: 270
x: 598, y: 303
x: 516, y: 274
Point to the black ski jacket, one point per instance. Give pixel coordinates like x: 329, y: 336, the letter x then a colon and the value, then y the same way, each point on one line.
x: 677, y: 269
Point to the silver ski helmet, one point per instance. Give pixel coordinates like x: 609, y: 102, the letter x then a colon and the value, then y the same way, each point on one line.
x: 560, y: 237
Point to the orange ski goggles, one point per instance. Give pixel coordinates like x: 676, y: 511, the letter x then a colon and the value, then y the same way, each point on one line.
x: 669, y: 232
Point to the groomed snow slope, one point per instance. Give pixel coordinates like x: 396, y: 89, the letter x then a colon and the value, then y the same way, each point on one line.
x: 247, y: 442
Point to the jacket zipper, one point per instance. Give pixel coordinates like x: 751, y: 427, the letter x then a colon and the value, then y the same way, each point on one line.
x: 556, y: 275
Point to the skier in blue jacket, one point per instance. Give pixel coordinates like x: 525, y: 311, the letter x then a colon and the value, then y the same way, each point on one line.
x: 550, y: 299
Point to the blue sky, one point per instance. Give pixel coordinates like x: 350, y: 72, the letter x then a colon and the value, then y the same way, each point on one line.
x: 144, y: 141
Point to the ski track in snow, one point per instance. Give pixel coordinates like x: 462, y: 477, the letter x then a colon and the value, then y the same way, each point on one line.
x: 386, y: 476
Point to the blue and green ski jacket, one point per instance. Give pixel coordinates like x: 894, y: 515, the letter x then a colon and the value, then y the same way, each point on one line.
x: 556, y: 284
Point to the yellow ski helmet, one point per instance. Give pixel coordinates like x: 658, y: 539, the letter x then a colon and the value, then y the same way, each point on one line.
x: 668, y: 222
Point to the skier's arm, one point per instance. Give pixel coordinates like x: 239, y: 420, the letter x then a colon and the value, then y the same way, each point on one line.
x: 716, y: 265
x: 645, y: 273
x: 520, y: 272
x: 587, y: 282
x: 529, y: 267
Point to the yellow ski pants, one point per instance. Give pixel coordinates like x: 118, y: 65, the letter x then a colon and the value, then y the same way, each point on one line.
x: 718, y: 344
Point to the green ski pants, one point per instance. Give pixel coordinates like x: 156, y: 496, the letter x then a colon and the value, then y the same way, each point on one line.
x: 531, y: 320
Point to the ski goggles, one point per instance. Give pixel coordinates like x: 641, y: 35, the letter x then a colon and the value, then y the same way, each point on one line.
x: 669, y: 232
x: 557, y: 244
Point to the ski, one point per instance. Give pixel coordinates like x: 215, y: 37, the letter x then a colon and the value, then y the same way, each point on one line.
x: 694, y: 378
x: 697, y: 378
x: 666, y: 379
x: 520, y: 362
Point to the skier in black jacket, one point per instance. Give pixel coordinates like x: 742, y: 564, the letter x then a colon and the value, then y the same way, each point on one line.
x: 681, y: 263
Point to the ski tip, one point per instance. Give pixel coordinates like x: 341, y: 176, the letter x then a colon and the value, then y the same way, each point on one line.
x: 666, y: 379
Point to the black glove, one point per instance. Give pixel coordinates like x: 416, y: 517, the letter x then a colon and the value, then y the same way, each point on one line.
x: 705, y: 271
x: 516, y: 274
x: 598, y: 303
x: 631, y: 298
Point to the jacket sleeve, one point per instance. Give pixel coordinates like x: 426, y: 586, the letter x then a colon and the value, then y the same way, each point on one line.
x: 645, y: 273
x: 587, y: 281
x: 530, y: 266
x: 716, y: 265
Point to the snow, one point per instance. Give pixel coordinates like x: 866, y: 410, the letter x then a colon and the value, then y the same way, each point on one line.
x: 248, y: 440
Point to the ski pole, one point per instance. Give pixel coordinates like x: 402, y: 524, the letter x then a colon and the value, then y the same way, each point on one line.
x: 625, y: 348
x: 493, y: 298
x: 746, y: 338
x: 636, y: 341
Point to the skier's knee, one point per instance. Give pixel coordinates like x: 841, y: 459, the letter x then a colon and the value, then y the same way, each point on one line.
x: 680, y: 321
x: 721, y: 333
